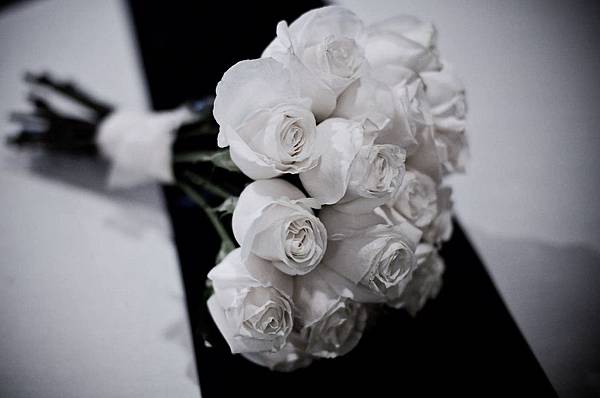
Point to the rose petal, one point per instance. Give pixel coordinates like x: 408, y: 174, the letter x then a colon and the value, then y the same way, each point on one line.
x: 323, y: 97
x: 254, y: 198
x: 426, y: 159
x: 339, y: 140
x: 409, y: 26
x: 384, y: 47
x: 250, y: 85
x: 291, y: 357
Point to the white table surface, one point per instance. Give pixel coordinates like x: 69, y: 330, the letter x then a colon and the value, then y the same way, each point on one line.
x: 93, y: 304
x: 91, y: 300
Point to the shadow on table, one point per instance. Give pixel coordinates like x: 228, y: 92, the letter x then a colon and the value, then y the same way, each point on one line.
x: 88, y: 173
x: 137, y: 210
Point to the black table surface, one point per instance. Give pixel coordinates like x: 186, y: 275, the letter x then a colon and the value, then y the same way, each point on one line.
x: 464, y: 342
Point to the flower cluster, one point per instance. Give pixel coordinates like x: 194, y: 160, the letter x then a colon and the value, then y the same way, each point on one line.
x: 364, y: 123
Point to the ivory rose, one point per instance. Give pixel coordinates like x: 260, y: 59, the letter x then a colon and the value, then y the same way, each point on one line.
x: 440, y: 228
x: 274, y: 221
x: 424, y: 284
x: 353, y: 172
x: 417, y: 199
x: 370, y: 251
x: 402, y: 40
x: 330, y: 324
x: 291, y: 357
x: 446, y: 96
x: 324, y: 51
x: 252, y: 303
x: 370, y: 96
x: 265, y: 120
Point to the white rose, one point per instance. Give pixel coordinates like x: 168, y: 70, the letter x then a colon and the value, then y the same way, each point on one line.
x: 368, y: 96
x: 440, y: 229
x: 425, y: 153
x: 273, y: 220
x: 425, y: 283
x: 446, y: 96
x: 324, y: 50
x: 291, y: 357
x: 417, y: 199
x: 369, y: 251
x: 402, y: 40
x: 330, y: 324
x: 262, y: 117
x: 426, y: 158
x: 252, y: 303
x: 352, y: 172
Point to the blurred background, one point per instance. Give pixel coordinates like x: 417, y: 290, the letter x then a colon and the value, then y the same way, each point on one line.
x: 73, y: 322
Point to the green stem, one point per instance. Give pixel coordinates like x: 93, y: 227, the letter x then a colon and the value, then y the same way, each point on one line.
x: 210, y: 213
x: 193, y: 157
x: 199, y: 131
x: 207, y: 184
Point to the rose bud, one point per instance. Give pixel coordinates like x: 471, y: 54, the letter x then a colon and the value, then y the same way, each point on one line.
x: 402, y: 40
x: 331, y: 325
x: 440, y: 229
x: 264, y: 120
x: 425, y: 283
x: 252, y: 304
x: 291, y: 357
x: 273, y: 220
x: 324, y: 51
x: 352, y: 172
x: 367, y: 96
x: 446, y: 95
x: 374, y: 253
x: 417, y: 199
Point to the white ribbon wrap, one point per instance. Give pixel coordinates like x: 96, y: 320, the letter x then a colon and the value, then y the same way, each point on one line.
x: 138, y: 145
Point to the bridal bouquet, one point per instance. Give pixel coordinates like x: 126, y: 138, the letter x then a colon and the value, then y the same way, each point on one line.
x: 333, y: 150
x: 348, y: 132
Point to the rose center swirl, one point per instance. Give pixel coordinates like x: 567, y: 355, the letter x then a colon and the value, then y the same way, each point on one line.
x: 292, y: 136
x: 300, y: 240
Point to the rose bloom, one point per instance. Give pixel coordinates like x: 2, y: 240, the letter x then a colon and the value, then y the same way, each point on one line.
x: 407, y: 43
x: 440, y: 229
x: 403, y: 40
x: 369, y: 251
x: 424, y: 284
x: 264, y: 120
x: 408, y: 89
x: 330, y: 325
x: 323, y: 49
x: 370, y: 95
x: 291, y: 357
x: 446, y: 96
x: 398, y: 93
x: 352, y: 172
x: 252, y: 304
x: 417, y: 199
x: 274, y: 221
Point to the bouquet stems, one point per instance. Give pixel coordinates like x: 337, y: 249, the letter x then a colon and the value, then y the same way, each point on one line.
x: 227, y: 244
